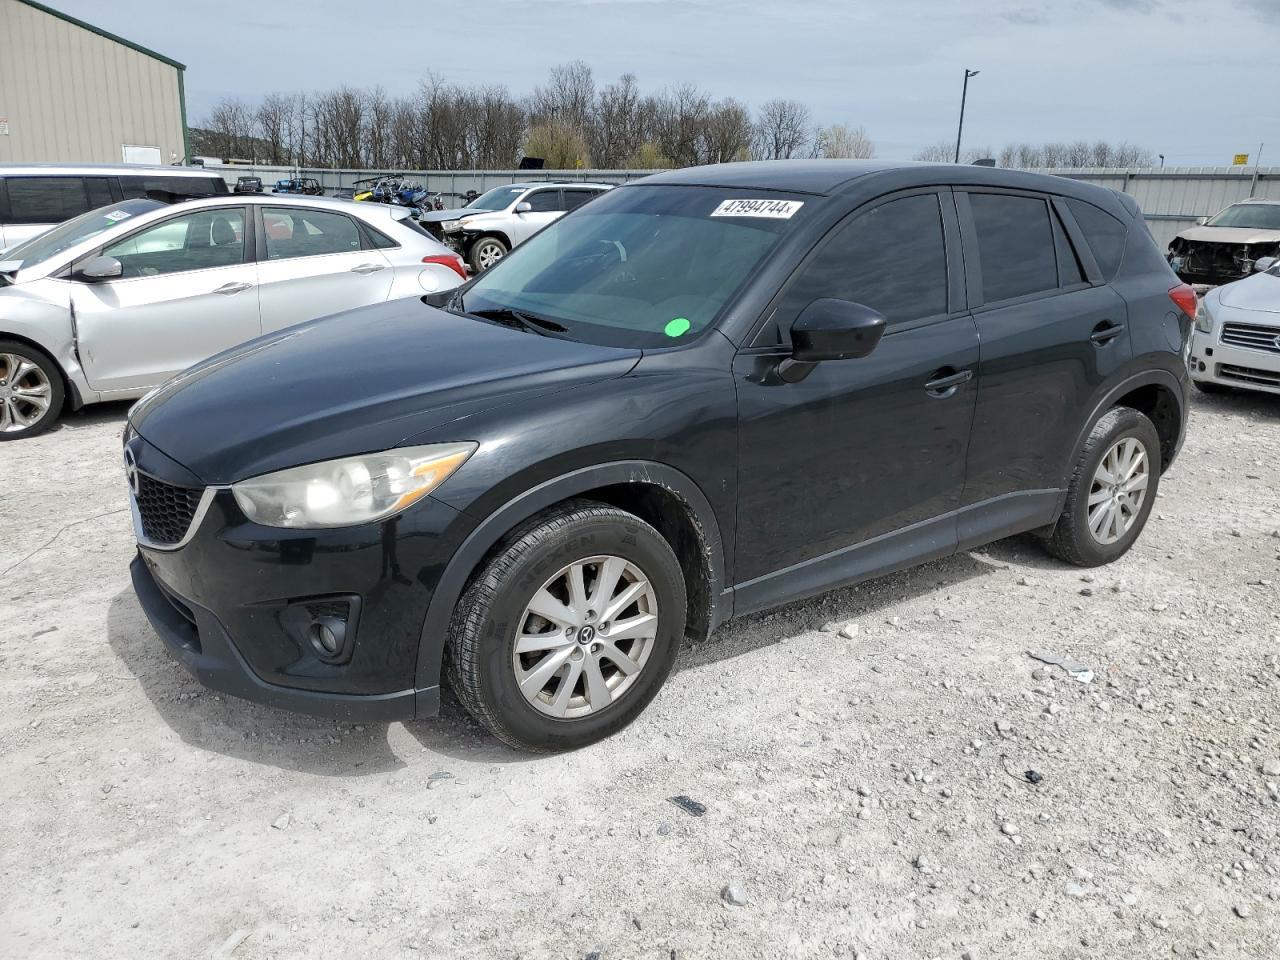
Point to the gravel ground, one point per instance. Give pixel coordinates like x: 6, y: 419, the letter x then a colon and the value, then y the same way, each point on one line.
x: 866, y: 793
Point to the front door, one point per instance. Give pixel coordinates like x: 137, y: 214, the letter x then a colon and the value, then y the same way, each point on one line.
x: 317, y: 263
x: 188, y: 290
x: 547, y: 205
x: 866, y: 448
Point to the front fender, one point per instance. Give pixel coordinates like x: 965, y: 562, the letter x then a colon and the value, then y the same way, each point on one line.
x: 435, y: 629
x: 43, y: 317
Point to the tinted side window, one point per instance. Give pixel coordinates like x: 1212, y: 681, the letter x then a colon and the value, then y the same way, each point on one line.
x: 198, y: 241
x: 1105, y: 234
x: 377, y: 239
x: 307, y: 233
x: 97, y: 192
x: 576, y: 198
x: 46, y: 199
x: 1015, y: 244
x: 545, y: 201
x: 139, y: 186
x: 892, y: 258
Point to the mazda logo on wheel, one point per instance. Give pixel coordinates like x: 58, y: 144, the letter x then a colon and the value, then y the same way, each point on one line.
x: 131, y: 470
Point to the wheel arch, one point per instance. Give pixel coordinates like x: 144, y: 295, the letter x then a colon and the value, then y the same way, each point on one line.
x: 71, y: 390
x: 1157, y: 393
x: 661, y: 495
x: 497, y: 234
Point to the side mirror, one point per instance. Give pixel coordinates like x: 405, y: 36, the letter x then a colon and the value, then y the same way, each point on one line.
x: 101, y: 268
x: 1263, y: 264
x: 1201, y: 221
x: 830, y: 330
x: 524, y: 206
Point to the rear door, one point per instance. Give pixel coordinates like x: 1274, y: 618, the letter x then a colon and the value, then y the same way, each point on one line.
x: 1052, y: 331
x: 32, y: 205
x: 316, y: 262
x: 547, y: 205
x: 189, y: 290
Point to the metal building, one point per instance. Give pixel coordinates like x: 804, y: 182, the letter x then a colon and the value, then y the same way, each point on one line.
x: 72, y: 92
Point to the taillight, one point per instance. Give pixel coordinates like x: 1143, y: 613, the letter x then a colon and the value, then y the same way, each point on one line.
x: 453, y: 262
x: 1185, y: 297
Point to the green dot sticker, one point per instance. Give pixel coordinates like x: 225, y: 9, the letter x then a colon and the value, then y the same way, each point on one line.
x: 677, y: 327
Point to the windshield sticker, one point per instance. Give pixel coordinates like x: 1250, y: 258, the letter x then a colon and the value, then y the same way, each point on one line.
x: 115, y: 216
x: 677, y: 327
x: 772, y: 209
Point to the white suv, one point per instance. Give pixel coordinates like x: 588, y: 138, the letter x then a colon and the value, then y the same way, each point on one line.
x: 486, y: 229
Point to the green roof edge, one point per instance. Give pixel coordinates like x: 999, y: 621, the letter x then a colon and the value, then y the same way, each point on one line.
x: 103, y: 33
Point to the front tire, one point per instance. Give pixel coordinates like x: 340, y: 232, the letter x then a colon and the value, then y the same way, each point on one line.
x: 565, y: 635
x: 485, y: 252
x: 31, y: 391
x: 1111, y: 492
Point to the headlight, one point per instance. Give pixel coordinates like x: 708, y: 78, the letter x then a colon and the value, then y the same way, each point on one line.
x: 452, y: 226
x: 353, y: 490
x: 1204, y: 321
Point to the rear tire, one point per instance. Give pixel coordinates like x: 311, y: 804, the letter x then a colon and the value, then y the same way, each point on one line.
x: 1111, y: 491
x: 485, y: 252
x: 31, y: 391
x: 542, y: 683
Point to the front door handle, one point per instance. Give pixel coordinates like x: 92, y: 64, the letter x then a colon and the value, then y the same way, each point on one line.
x: 367, y: 268
x: 946, y: 385
x: 1106, y: 331
x: 228, y: 289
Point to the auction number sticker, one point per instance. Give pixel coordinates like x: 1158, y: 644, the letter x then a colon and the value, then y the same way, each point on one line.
x: 745, y: 207
x: 115, y: 216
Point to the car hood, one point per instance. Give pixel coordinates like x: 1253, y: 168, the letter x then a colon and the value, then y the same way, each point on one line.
x: 1259, y: 292
x: 1230, y: 235
x: 352, y: 383
x: 441, y: 216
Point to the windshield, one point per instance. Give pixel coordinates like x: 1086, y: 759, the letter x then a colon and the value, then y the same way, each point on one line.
x: 78, y: 229
x: 496, y: 199
x: 640, y: 266
x: 1259, y: 216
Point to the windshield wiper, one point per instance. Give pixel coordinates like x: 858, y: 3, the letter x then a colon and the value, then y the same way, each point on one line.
x: 521, y: 320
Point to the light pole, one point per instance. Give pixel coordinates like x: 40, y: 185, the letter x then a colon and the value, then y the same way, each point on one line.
x: 963, y: 96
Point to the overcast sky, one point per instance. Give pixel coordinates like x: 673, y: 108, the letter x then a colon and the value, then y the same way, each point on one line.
x: 1192, y: 79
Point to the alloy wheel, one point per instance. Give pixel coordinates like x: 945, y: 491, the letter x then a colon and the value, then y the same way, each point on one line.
x: 585, y: 636
x: 25, y: 393
x: 1119, y: 489
x: 489, y: 254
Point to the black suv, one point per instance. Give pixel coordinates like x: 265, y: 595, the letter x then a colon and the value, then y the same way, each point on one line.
x: 703, y: 394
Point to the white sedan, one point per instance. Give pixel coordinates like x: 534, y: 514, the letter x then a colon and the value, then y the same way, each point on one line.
x: 116, y: 301
x: 1237, y: 336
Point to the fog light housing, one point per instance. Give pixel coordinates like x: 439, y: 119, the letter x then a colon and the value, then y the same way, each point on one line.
x: 324, y: 628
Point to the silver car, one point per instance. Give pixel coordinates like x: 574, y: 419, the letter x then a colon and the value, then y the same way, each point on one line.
x: 1237, y: 336
x: 487, y: 228
x: 118, y: 300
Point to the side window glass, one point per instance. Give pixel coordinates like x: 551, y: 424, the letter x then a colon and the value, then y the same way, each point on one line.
x: 1105, y: 234
x: 892, y: 258
x: 1069, y: 271
x: 97, y: 192
x: 46, y: 199
x: 1015, y: 243
x: 198, y: 241
x: 576, y: 198
x: 293, y: 232
x: 545, y: 201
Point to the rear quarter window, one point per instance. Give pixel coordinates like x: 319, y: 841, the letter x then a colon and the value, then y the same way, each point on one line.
x: 1104, y: 233
x: 45, y: 199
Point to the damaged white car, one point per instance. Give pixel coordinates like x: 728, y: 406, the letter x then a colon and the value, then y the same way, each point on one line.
x: 1225, y: 247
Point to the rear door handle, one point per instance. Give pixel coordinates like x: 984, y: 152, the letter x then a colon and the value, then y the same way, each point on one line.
x: 367, y: 268
x: 232, y: 288
x: 1106, y: 331
x: 945, y: 386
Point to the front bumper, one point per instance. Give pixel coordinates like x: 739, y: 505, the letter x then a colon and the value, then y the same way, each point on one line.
x: 229, y: 604
x: 1213, y: 361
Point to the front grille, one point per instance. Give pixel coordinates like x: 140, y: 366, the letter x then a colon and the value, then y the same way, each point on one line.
x: 1264, y: 378
x: 1252, y: 336
x: 166, y: 511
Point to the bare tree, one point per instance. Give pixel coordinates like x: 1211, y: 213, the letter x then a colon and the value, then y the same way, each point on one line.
x: 230, y: 124
x: 559, y: 143
x: 569, y: 97
x: 840, y: 141
x: 620, y: 124
x: 728, y: 133
x: 782, y: 130
x: 941, y: 152
x: 680, y: 117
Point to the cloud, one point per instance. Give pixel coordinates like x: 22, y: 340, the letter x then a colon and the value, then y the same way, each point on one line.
x: 1025, y: 16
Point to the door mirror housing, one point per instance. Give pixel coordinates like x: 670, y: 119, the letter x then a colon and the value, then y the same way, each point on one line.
x: 524, y: 206
x: 1263, y: 264
x: 835, y: 330
x: 1201, y: 221
x: 101, y: 268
